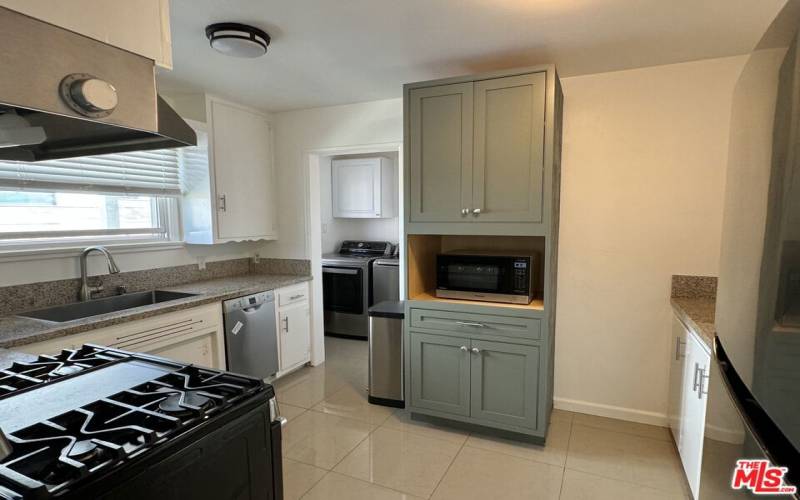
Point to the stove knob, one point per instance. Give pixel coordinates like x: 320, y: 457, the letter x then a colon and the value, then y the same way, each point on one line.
x: 88, y: 95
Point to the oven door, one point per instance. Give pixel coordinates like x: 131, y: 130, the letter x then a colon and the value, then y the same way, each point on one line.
x: 475, y: 273
x: 343, y: 289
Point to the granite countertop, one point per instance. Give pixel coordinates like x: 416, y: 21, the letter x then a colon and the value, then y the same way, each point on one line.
x: 698, y: 314
x: 16, y: 331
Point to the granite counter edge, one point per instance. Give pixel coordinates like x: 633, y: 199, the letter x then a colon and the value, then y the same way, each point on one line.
x: 702, y: 327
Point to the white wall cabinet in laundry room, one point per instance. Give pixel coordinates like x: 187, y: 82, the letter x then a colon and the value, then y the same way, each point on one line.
x: 363, y: 188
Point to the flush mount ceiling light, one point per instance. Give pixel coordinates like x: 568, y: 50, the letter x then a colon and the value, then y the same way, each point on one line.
x: 238, y: 40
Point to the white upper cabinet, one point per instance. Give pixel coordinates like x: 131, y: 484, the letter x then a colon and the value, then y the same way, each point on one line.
x: 363, y: 188
x: 229, y: 177
x: 138, y: 26
x: 241, y: 153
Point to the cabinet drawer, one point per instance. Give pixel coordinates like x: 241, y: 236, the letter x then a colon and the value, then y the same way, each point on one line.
x: 508, y: 326
x: 292, y: 294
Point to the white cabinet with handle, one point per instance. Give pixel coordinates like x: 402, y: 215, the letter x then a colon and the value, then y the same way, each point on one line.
x: 689, y: 379
x: 138, y: 26
x: 294, y: 327
x: 229, y: 177
x: 674, y: 406
x: 363, y: 188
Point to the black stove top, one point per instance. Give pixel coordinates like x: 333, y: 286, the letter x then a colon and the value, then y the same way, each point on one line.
x: 77, y: 414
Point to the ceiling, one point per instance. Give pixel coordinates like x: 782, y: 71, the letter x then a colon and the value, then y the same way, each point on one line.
x: 327, y: 52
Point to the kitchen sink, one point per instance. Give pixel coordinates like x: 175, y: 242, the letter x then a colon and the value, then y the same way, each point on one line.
x: 78, y: 310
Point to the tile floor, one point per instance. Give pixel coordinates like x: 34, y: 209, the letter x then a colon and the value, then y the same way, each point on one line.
x: 339, y: 447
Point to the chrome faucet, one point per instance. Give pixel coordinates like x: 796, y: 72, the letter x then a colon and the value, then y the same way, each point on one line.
x: 86, y: 290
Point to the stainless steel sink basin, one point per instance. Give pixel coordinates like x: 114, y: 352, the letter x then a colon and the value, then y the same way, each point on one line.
x: 78, y: 310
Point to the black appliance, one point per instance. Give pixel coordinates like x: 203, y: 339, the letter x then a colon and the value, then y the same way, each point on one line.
x: 346, y: 291
x: 489, y: 276
x: 753, y: 408
x: 103, y: 423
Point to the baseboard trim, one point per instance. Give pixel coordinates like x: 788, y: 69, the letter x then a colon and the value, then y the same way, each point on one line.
x: 618, y: 412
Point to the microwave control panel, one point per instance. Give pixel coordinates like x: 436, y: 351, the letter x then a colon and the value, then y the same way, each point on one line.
x: 521, y: 270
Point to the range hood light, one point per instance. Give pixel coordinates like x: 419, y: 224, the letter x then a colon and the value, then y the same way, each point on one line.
x: 238, y: 40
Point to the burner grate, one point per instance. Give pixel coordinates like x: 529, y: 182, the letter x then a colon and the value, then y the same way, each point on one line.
x: 53, y: 454
x: 21, y: 376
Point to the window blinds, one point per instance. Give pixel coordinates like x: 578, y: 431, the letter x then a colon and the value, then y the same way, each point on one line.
x: 141, y: 172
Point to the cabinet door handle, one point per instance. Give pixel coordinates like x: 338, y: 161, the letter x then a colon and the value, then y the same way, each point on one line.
x: 694, y: 379
x: 470, y: 323
x: 702, y: 376
x: 464, y: 211
x: 223, y: 203
x: 295, y: 297
x: 286, y: 324
x: 678, y: 344
x: 464, y: 348
x: 476, y: 211
x: 475, y: 350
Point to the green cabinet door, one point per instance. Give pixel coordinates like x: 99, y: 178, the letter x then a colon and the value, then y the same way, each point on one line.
x: 509, y: 149
x: 439, y: 368
x: 440, y: 152
x: 505, y: 383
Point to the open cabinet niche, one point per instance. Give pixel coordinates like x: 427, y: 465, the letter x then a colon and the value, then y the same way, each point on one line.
x: 423, y: 248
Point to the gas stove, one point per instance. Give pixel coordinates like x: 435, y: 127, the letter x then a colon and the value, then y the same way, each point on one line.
x: 76, y: 417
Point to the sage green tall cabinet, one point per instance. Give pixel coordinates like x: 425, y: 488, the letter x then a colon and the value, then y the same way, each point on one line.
x: 482, y: 167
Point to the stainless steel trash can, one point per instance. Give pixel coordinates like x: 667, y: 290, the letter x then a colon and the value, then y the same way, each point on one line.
x: 386, y: 353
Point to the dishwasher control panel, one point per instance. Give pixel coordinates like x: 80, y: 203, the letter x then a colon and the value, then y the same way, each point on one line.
x: 248, y: 301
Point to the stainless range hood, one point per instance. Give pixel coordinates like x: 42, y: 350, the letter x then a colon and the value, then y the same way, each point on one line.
x: 64, y: 95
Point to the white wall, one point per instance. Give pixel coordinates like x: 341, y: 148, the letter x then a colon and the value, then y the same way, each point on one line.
x: 336, y: 230
x: 644, y: 161
x: 298, y: 133
x: 304, y: 142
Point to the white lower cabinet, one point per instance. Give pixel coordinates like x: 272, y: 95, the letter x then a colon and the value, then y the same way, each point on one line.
x: 192, y: 336
x: 689, y: 379
x: 294, y: 327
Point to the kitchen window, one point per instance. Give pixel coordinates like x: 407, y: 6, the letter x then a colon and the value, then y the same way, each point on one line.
x: 117, y: 198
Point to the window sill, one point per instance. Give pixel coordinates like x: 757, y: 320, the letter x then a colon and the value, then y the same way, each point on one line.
x: 73, y: 252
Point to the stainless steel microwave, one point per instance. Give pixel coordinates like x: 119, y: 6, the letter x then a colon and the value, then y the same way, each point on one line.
x: 489, y: 276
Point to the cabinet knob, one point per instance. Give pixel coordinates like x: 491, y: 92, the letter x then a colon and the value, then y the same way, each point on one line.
x: 475, y: 350
x: 464, y: 348
x: 476, y: 211
x: 464, y: 211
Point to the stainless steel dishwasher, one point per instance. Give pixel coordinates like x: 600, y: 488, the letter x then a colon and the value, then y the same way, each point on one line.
x: 251, y: 338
